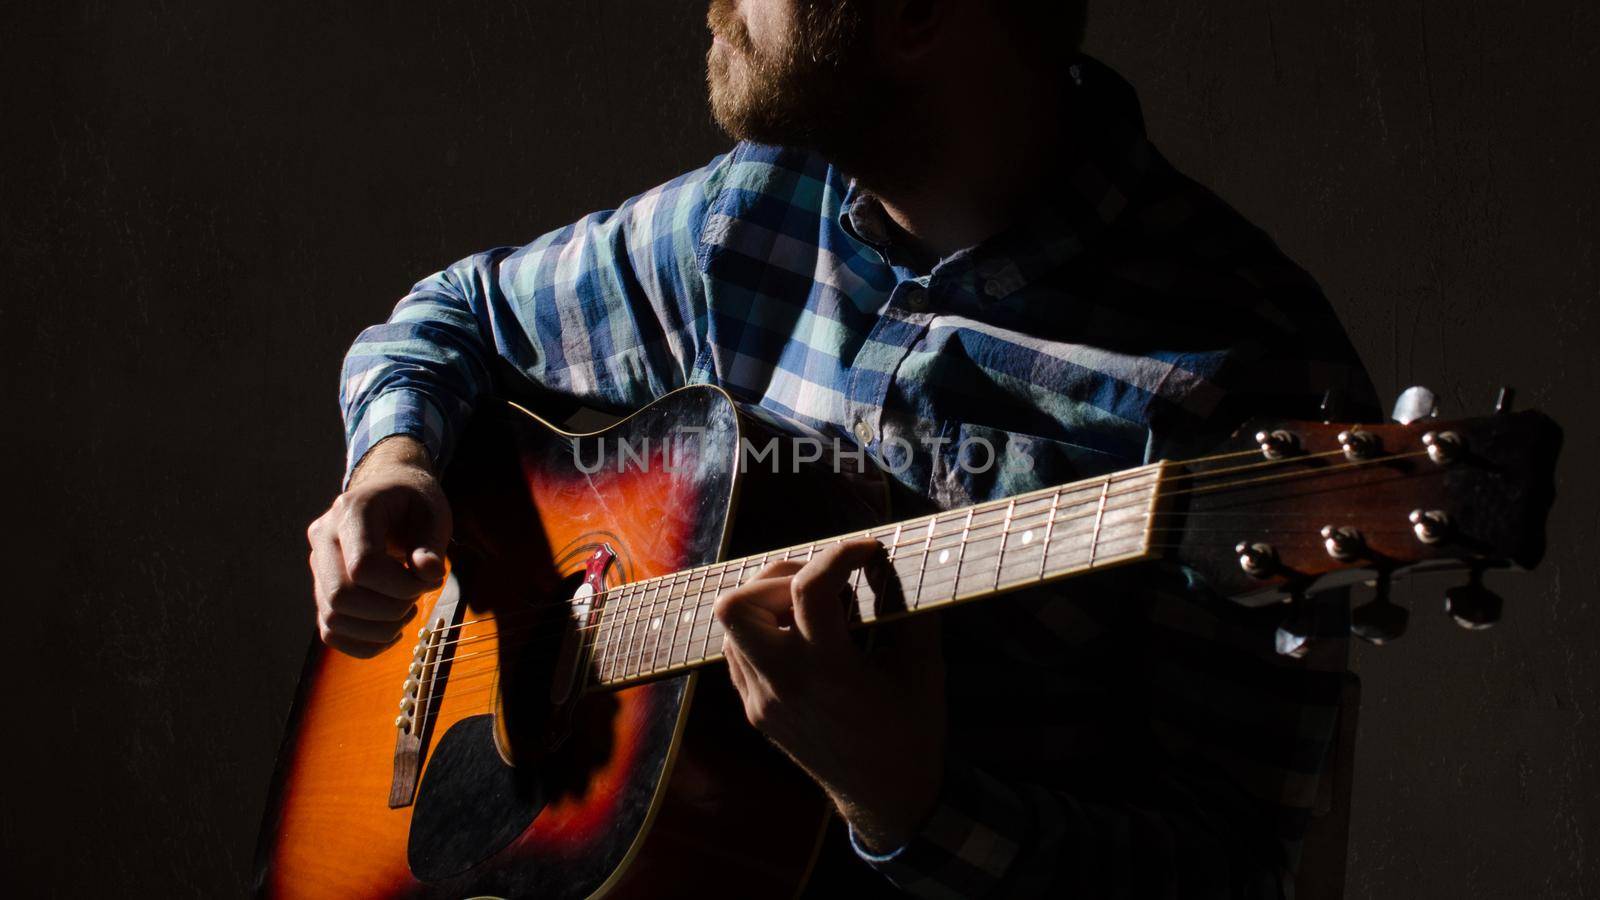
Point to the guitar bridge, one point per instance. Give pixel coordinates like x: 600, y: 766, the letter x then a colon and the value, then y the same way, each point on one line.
x: 423, y: 691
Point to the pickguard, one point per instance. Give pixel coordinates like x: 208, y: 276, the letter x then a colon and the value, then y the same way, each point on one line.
x: 470, y: 805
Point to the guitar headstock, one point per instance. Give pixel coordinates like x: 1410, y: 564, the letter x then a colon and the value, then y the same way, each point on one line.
x: 1289, y: 509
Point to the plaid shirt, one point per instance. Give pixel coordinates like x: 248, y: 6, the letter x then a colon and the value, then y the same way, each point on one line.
x: 1137, y: 737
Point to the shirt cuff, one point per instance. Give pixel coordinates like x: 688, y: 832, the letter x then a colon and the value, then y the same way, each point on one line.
x: 400, y: 411
x: 968, y: 843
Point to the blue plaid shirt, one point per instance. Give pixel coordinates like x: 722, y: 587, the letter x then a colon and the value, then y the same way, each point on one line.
x: 1129, y: 313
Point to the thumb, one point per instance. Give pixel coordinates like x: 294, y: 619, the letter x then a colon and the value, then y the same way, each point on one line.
x: 428, y: 564
x: 429, y: 535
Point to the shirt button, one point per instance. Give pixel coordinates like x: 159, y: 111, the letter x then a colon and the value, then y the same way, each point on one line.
x: 863, y: 432
x: 917, y: 299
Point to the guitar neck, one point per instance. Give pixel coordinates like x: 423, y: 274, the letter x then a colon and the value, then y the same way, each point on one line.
x: 664, y: 626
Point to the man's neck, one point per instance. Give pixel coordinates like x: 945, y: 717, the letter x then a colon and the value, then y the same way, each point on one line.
x: 973, y: 173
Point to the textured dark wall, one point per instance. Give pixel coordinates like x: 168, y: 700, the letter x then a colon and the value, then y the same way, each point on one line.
x: 200, y: 205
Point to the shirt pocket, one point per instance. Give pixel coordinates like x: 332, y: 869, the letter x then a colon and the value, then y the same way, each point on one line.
x: 977, y: 463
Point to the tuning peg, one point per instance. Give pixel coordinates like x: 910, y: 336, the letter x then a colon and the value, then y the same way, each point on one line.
x: 1332, y: 405
x: 1503, y: 401
x: 1293, y: 637
x: 1415, y: 402
x: 1472, y: 605
x: 1379, y: 620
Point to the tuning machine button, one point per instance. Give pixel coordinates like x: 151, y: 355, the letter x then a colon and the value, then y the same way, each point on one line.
x: 1444, y: 447
x: 1257, y: 560
x: 1293, y: 637
x: 1359, y: 445
x: 1342, y: 542
x: 1379, y: 620
x: 1429, y: 525
x: 1414, y: 403
x: 1473, y: 606
x: 1278, y: 443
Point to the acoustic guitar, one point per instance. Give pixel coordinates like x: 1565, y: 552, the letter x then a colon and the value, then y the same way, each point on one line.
x: 548, y: 735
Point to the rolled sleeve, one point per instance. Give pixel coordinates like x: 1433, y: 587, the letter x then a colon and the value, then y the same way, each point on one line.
x: 397, y: 412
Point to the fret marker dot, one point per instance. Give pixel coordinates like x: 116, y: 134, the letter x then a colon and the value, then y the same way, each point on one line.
x: 688, y: 614
x: 1027, y: 536
x: 944, y: 557
x: 655, y: 623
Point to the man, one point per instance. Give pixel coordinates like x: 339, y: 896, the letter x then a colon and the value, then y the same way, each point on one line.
x: 942, y: 227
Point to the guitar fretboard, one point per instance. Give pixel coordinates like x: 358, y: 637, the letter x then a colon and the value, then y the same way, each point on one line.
x: 659, y: 626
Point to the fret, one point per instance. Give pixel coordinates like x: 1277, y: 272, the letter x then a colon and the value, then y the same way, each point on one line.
x: 983, y: 541
x: 1124, y: 519
x: 661, y: 623
x: 939, y: 560
x: 961, y: 552
x: 610, y: 615
x: 1049, y: 531
x: 1005, y: 532
x: 686, y: 616
x: 705, y: 644
x: 867, y: 607
x: 629, y: 612
x: 1024, y: 541
x: 1099, y: 519
x: 669, y: 623
x: 636, y: 630
x: 658, y: 622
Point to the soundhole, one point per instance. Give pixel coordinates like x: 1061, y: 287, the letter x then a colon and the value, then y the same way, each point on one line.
x: 470, y: 805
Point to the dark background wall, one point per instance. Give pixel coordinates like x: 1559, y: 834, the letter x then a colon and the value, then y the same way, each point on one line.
x: 200, y: 205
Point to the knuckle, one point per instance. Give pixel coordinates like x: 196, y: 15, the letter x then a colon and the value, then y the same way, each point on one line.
x: 365, y: 569
x: 804, y: 583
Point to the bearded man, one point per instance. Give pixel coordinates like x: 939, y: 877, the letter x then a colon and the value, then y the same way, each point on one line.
x: 942, y: 224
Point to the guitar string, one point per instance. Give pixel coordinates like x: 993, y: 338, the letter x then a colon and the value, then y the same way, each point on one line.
x: 995, y: 506
x: 637, y: 648
x: 947, y: 583
x: 629, y: 655
x: 634, y: 589
x: 668, y: 582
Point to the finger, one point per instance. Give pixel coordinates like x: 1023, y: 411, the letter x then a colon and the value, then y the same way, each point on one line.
x: 427, y: 565
x: 768, y: 595
x: 750, y: 617
x: 751, y: 682
x: 363, y: 542
x: 778, y: 568
x: 818, y: 614
x: 736, y: 665
x: 433, y: 534
x: 351, y: 647
x: 361, y: 603
x: 366, y: 630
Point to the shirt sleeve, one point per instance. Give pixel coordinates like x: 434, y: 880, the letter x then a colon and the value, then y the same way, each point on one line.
x: 608, y: 311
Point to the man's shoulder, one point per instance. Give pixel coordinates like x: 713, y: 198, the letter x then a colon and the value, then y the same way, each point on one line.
x: 789, y: 174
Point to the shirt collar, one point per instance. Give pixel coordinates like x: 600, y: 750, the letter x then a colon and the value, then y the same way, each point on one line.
x: 1090, y: 189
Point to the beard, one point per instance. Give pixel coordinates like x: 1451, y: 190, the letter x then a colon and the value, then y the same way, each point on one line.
x: 821, y: 91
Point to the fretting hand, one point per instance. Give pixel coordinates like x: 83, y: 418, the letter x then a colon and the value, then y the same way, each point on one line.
x: 869, y: 728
